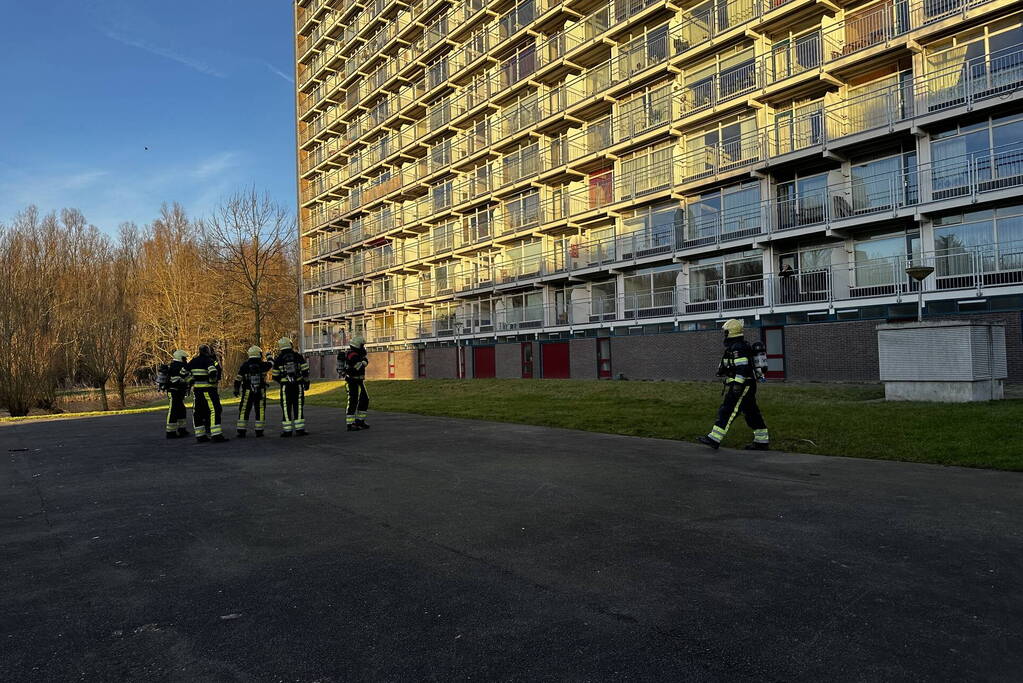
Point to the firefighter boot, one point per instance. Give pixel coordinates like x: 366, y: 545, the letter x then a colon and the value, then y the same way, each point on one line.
x: 172, y: 435
x: 259, y: 433
x: 241, y: 433
x: 183, y: 432
x: 707, y: 441
x: 756, y: 446
x: 220, y: 438
x: 301, y: 432
x: 285, y: 434
x: 361, y: 424
x: 202, y: 439
x: 353, y: 427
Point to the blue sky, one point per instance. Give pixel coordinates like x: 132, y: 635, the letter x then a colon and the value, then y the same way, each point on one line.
x: 206, y: 85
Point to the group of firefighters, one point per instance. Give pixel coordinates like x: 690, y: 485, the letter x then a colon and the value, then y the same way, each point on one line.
x: 742, y: 366
x: 201, y: 375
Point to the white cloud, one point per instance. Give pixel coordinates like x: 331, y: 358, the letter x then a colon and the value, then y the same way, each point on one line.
x: 165, y: 52
x: 274, y: 69
x: 108, y: 198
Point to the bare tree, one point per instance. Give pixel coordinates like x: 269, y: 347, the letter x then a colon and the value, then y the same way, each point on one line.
x: 128, y: 341
x: 247, y: 236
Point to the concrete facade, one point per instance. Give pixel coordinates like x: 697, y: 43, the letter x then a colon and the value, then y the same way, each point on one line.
x: 440, y: 363
x: 508, y: 361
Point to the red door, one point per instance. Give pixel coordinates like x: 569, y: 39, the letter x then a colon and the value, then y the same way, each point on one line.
x: 527, y: 360
x: 483, y: 364
x: 390, y: 365
x: 604, y: 358
x: 554, y: 360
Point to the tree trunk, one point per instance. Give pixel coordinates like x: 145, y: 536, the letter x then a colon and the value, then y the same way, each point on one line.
x: 121, y: 393
x: 104, y: 403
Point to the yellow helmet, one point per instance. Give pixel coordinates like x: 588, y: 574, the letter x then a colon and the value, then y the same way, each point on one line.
x: 732, y: 328
x: 180, y: 355
x: 284, y: 343
x: 255, y: 352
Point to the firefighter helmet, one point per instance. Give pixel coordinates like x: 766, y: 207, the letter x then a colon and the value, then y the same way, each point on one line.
x: 732, y: 328
x: 180, y: 355
x: 284, y: 343
x: 255, y: 352
x: 358, y: 341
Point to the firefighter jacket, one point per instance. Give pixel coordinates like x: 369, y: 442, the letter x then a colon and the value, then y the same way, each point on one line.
x: 290, y: 366
x: 736, y: 364
x: 205, y: 372
x: 178, y: 376
x: 252, y: 375
x: 356, y: 361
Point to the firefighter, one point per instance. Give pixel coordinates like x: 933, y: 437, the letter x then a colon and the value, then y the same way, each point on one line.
x: 206, y: 412
x: 250, y: 383
x: 741, y: 376
x: 356, y: 361
x: 174, y: 380
x: 291, y: 371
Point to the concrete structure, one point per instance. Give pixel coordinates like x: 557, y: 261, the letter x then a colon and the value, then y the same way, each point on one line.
x: 950, y: 361
x: 624, y: 174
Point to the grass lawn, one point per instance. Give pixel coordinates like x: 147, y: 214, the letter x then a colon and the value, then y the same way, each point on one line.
x: 823, y: 419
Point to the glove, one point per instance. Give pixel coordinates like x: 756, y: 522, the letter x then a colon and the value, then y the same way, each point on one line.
x: 305, y: 385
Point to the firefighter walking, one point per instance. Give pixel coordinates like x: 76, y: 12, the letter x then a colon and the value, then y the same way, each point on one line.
x: 206, y: 413
x: 174, y: 379
x: 356, y: 361
x: 291, y: 372
x: 741, y: 369
x: 250, y: 385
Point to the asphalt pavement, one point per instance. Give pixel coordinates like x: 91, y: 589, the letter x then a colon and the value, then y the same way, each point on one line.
x: 441, y: 549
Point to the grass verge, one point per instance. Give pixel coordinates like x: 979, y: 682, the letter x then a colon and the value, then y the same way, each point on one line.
x: 822, y: 419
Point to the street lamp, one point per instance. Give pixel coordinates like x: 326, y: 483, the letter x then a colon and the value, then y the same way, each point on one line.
x: 919, y: 273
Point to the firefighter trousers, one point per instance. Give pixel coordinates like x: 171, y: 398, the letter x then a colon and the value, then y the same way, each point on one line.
x: 740, y: 398
x: 358, y: 400
x: 207, y: 412
x: 292, y: 406
x: 248, y: 402
x: 176, y: 411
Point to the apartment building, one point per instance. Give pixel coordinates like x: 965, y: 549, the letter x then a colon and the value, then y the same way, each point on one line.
x: 587, y: 188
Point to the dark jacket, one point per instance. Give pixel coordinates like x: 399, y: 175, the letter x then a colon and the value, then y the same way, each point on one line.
x: 290, y: 366
x: 205, y: 372
x: 356, y: 360
x: 736, y: 364
x: 252, y: 374
x: 178, y: 376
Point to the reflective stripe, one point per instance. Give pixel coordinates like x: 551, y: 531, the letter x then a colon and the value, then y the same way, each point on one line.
x: 738, y: 378
x: 742, y: 361
x: 760, y: 436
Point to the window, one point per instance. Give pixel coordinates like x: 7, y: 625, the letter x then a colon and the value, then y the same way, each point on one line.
x: 727, y: 282
x: 643, y: 110
x: 884, y: 183
x: 725, y: 75
x: 804, y: 275
x: 795, y: 54
x: 651, y: 292
x: 978, y: 63
x: 643, y: 52
x: 802, y: 201
x: 440, y: 155
x: 979, y: 242
x: 645, y: 171
x: 443, y: 237
x: 652, y: 228
x: 437, y: 73
x: 603, y: 303
x: 727, y: 213
x: 477, y: 226
x: 721, y: 147
x: 799, y: 127
x: 987, y: 153
x: 880, y: 263
x: 518, y: 66
x: 523, y: 211
x: 442, y: 195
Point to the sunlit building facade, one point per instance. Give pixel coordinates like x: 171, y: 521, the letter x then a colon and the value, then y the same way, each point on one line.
x: 588, y: 188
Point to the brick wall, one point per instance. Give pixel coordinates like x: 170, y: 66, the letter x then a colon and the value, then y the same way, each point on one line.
x: 582, y: 358
x: 440, y: 363
x: 832, y: 352
x: 670, y: 356
x: 377, y: 368
x: 405, y: 364
x: 508, y: 361
x: 315, y: 365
